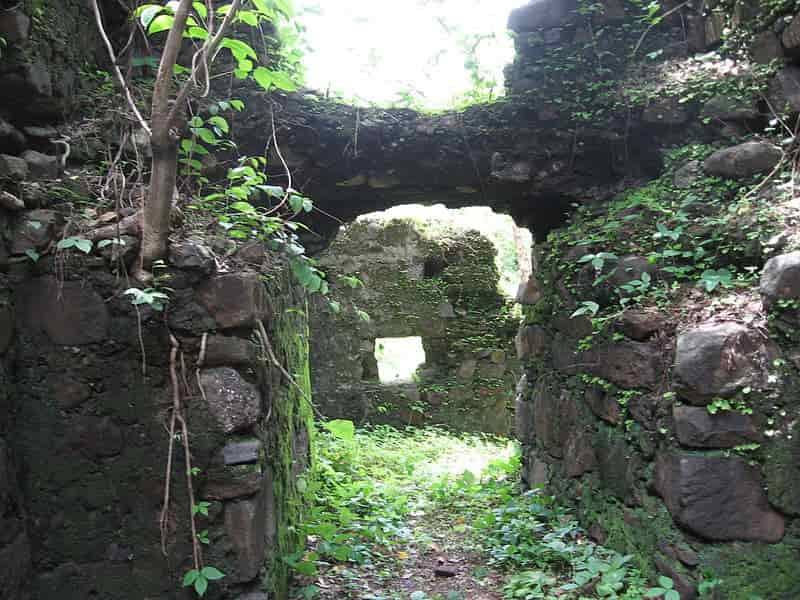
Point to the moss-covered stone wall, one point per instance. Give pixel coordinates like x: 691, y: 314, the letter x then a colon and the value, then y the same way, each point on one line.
x: 87, y: 393
x: 440, y: 286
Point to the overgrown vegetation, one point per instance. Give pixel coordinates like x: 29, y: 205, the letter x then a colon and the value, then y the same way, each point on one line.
x: 384, y: 496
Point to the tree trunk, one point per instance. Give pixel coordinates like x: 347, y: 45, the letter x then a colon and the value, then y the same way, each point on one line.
x: 157, y: 209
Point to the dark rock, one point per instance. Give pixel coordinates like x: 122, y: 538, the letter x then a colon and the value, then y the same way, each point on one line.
x: 717, y: 498
x: 618, y: 465
x: 241, y: 453
x: 730, y: 108
x: 466, y: 371
x: 531, y: 342
x: 41, y: 166
x: 744, y: 160
x: 782, y: 471
x: 780, y: 279
x: 715, y: 26
x: 631, y: 268
x: 123, y: 249
x: 766, y: 47
x: 687, y: 175
x: 117, y: 553
x: 15, y: 27
x: 253, y: 596
x: 784, y: 91
x: 445, y: 571
x: 791, y: 35
x: 96, y: 437
x: 6, y: 328
x: 245, y: 526
x: 13, y: 167
x: 524, y: 421
x: 666, y: 112
x: 40, y: 134
x: 597, y: 533
x: 11, y: 139
x: 231, y: 485
x: 629, y: 365
x: 16, y: 560
x: 37, y: 229
x: 446, y: 310
x: 696, y: 33
x: 69, y: 313
x: 69, y: 393
x: 253, y: 253
x: 697, y: 428
x: 542, y: 14
x: 10, y: 202
x: 234, y: 404
x: 235, y: 299
x: 579, y: 457
x: 224, y: 350
x: 640, y: 325
x: 187, y: 315
x: 717, y: 359
x: 554, y: 416
x: 193, y: 256
x: 603, y: 405
x: 681, y: 553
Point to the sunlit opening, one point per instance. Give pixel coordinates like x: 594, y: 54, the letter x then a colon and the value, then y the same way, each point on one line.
x: 398, y: 358
x: 416, y: 53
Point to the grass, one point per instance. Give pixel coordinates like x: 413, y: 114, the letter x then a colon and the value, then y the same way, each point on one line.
x: 390, y: 503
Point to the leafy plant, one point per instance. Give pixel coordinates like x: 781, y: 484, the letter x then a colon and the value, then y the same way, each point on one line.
x: 199, y: 578
x: 586, y: 307
x: 665, y: 590
x: 711, y: 279
x: 77, y: 242
x: 150, y: 296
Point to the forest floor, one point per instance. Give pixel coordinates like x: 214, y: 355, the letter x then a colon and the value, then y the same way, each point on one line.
x: 423, y: 514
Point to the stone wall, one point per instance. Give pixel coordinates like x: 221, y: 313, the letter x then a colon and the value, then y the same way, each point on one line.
x: 87, y: 395
x: 441, y: 286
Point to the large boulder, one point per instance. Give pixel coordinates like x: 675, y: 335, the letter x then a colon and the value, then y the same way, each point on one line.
x: 696, y: 428
x: 784, y: 90
x: 718, y: 359
x: 744, y: 160
x: 717, y: 498
x: 780, y: 279
x: 629, y: 365
x: 542, y: 14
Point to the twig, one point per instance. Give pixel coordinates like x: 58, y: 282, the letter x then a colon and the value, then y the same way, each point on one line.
x: 661, y: 18
x: 117, y: 72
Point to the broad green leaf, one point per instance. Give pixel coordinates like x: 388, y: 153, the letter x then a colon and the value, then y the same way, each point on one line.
x: 263, y: 77
x: 672, y: 595
x: 212, y: 573
x: 244, y: 207
x: 665, y: 582
x: 190, y: 577
x: 33, y: 254
x: 239, y: 49
x: 147, y: 13
x: 248, y: 17
x: 220, y: 123
x: 282, y: 81
x: 161, y: 23
x: 237, y: 105
x: 196, y: 33
x: 200, y: 585
x: 200, y: 9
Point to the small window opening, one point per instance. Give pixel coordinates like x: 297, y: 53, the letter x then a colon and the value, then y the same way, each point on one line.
x: 398, y: 358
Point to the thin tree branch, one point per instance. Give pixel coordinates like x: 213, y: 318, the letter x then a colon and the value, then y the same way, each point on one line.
x: 117, y: 72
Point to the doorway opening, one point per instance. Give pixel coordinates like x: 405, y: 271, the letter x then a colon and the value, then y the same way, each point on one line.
x: 398, y: 358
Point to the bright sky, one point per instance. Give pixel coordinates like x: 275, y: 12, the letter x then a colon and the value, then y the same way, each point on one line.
x: 375, y: 50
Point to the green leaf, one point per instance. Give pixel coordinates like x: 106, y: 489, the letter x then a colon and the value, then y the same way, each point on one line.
x: 244, y: 207
x: 147, y: 12
x: 220, y: 123
x: 237, y: 105
x: 672, y: 595
x: 263, y: 77
x: 665, y: 582
x: 248, y: 17
x: 341, y: 429
x: 200, y: 585
x: 200, y: 9
x: 239, y: 49
x: 161, y: 23
x: 33, y: 255
x: 212, y: 573
x: 190, y: 577
x: 282, y: 81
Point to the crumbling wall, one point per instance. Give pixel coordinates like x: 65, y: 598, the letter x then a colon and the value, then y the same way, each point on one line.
x: 442, y: 287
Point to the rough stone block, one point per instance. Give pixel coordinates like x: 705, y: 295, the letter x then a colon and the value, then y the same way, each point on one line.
x: 524, y: 421
x: 232, y: 485
x: 780, y: 279
x: 234, y: 404
x: 766, y: 47
x: 15, y: 27
x: 96, y: 437
x: 235, y: 299
x: 530, y: 342
x: 603, y: 406
x: 6, y: 328
x: 579, y: 457
x: 717, y: 359
x: 554, y: 417
x: 719, y: 499
x: 69, y: 313
x: 193, y: 256
x: 744, y: 160
x: 697, y: 428
x: 665, y: 112
x: 245, y: 526
x: 41, y: 166
x: 629, y: 365
x: 228, y: 351
x: 13, y: 167
x: 640, y: 325
x: 11, y: 139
